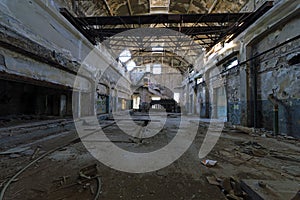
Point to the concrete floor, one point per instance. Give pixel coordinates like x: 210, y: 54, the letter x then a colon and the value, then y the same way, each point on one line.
x: 57, y: 175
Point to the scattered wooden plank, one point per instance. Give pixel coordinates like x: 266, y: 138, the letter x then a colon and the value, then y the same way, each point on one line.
x: 270, y: 189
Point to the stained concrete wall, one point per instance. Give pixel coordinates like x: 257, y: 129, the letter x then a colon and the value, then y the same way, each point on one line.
x: 40, y: 46
x: 275, y: 71
x: 271, y: 72
x: 277, y: 76
x: 234, y: 101
x: 169, y: 77
x: 201, y: 100
x: 217, y: 105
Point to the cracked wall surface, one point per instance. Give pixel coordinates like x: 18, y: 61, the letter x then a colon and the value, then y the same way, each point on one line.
x: 269, y: 65
x: 275, y: 75
x: 43, y: 48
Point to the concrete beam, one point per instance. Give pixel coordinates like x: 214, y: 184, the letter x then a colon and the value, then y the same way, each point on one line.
x: 18, y: 43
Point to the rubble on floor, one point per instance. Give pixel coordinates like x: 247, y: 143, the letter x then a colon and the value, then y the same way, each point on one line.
x: 72, y: 173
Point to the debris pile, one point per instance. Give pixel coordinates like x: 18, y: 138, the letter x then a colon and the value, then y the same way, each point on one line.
x: 252, y: 149
x: 85, y: 180
x: 21, y: 118
x: 230, y: 186
x: 262, y: 132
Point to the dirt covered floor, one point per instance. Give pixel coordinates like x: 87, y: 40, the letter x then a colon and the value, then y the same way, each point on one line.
x: 62, y: 168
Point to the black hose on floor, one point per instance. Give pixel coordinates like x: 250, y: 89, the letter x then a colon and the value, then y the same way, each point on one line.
x: 43, y: 156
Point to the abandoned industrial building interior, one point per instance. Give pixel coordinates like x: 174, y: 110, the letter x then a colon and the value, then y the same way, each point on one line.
x: 149, y: 99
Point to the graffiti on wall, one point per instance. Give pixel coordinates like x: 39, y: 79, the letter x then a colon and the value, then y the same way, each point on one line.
x: 234, y: 113
x: 102, y: 104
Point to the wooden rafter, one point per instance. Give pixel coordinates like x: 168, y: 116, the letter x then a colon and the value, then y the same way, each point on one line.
x: 216, y: 27
x: 108, y: 8
x: 212, y: 6
x: 190, y: 5
x: 129, y: 7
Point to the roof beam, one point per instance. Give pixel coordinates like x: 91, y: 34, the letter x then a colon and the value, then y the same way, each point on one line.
x: 165, y: 18
x: 108, y: 7
x: 190, y: 5
x: 129, y: 7
x: 236, y: 29
x: 201, y: 30
x: 229, y: 24
x: 76, y: 24
x: 212, y: 6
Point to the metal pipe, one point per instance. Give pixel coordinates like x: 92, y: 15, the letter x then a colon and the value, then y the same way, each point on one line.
x: 274, y: 101
x: 253, y: 94
x: 276, y: 120
x: 262, y: 53
x: 255, y: 124
x: 7, y: 184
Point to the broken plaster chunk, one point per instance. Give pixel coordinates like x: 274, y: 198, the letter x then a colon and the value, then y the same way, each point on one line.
x: 212, y: 180
x: 209, y: 163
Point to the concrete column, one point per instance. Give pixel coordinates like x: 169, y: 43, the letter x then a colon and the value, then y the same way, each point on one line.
x: 76, y: 105
x: 63, y: 105
x: 244, y: 95
x: 92, y: 99
x: 207, y: 98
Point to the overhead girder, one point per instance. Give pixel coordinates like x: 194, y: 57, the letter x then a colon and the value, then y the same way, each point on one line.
x: 183, y: 34
x: 178, y: 46
x: 175, y: 46
x: 192, y: 31
x: 181, y: 68
x: 216, y: 26
x: 165, y: 18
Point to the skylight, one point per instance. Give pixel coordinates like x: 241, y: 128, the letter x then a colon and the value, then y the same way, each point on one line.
x: 125, y: 56
x: 232, y: 64
x: 157, y: 49
x: 130, y: 65
x: 159, y: 6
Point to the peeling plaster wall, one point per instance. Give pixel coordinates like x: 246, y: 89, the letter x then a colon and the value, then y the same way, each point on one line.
x: 21, y: 65
x: 41, y: 45
x: 201, y: 101
x: 215, y: 83
x: 277, y: 71
x: 45, y: 26
x: 233, y: 91
x: 275, y: 75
